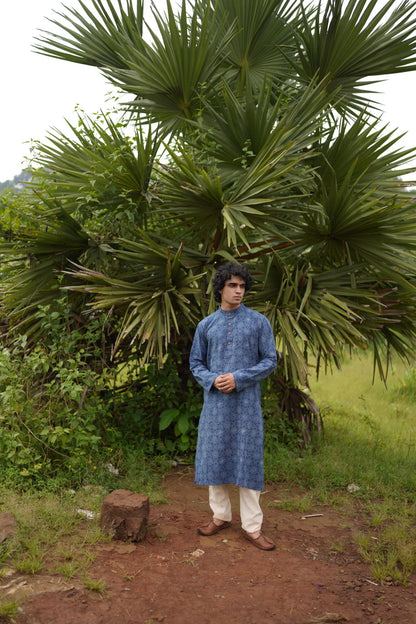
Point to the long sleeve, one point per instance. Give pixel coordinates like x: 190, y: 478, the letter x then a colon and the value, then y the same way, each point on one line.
x: 267, y: 362
x: 198, y: 360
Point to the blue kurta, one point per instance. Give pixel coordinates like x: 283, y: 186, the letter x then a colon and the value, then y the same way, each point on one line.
x: 230, y: 434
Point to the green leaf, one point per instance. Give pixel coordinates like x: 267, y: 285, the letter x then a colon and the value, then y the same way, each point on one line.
x: 183, y: 424
x: 167, y: 417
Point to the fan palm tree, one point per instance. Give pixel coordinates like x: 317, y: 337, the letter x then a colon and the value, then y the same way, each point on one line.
x: 256, y: 138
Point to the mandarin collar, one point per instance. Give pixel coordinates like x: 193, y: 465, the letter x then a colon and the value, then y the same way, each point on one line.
x: 231, y: 312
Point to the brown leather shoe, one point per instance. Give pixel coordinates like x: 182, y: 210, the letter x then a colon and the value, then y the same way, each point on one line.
x: 262, y: 542
x: 211, y: 528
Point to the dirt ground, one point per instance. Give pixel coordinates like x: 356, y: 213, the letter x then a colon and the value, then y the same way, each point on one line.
x: 176, y: 576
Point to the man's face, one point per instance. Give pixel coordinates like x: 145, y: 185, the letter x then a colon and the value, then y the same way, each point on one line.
x: 233, y: 292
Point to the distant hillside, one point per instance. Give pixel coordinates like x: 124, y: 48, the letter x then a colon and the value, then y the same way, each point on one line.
x: 17, y: 182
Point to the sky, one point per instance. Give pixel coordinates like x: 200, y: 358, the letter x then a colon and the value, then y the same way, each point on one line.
x: 40, y: 93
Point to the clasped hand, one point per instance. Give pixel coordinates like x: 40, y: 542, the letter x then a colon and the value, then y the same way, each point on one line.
x: 225, y: 383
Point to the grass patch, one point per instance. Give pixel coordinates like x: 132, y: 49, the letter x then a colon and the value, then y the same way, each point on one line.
x: 9, y: 609
x: 301, y: 503
x: 98, y: 585
x: 370, y: 432
x: 54, y: 536
x: 51, y: 534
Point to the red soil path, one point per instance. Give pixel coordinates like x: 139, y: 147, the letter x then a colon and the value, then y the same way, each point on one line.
x: 175, y: 576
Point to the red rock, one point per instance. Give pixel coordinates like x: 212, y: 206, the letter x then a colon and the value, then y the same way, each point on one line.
x: 125, y: 514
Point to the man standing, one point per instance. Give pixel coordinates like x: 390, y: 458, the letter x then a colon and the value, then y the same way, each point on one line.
x: 233, y: 349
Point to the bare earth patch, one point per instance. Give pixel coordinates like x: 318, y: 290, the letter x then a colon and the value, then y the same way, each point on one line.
x: 175, y: 576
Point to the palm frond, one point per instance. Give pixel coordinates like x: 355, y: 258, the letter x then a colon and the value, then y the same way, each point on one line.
x: 99, y: 172
x: 262, y: 41
x: 99, y: 37
x: 168, y: 75
x: 223, y: 206
x: 385, y: 309
x: 363, y: 214
x: 322, y: 314
x: 156, y: 295
x: 306, y: 319
x: 38, y: 258
x: 353, y: 42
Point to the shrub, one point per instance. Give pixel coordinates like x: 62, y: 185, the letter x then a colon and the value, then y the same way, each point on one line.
x: 51, y: 406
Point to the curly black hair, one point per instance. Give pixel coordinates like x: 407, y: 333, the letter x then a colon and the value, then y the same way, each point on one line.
x: 225, y: 272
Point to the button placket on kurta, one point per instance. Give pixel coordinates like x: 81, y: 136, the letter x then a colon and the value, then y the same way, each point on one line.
x: 229, y: 329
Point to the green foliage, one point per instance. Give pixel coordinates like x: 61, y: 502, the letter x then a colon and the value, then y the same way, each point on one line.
x: 184, y: 427
x: 168, y: 426
x: 8, y: 609
x: 51, y: 408
x: 405, y: 388
x: 281, y: 433
x: 66, y: 414
x: 101, y: 174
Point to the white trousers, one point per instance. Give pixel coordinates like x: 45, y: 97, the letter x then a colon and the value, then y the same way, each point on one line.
x: 250, y: 511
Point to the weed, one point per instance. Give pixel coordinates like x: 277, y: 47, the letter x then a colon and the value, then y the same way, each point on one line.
x: 8, y: 609
x: 128, y: 577
x: 337, y: 547
x: 98, y: 585
x: 302, y: 504
x: 365, y: 544
x: 31, y: 561
x: 67, y: 554
x: 68, y: 569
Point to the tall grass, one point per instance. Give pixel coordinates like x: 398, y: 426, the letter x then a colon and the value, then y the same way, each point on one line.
x: 370, y: 435
x: 370, y: 429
